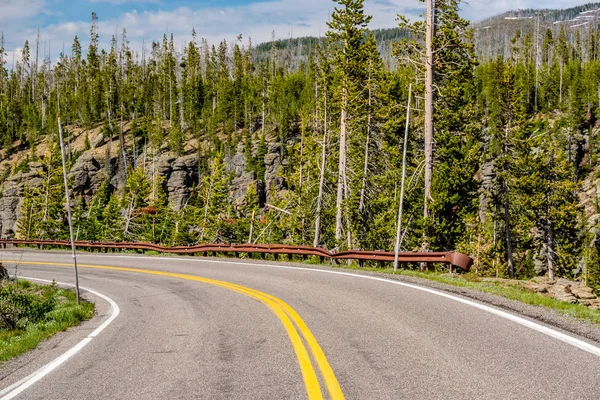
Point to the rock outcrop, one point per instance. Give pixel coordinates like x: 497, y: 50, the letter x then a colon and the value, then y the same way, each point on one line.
x: 564, y: 290
x: 180, y: 175
x: 12, y: 196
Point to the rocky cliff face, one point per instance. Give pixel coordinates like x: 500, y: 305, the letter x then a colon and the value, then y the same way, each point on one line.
x: 179, y: 176
x: 12, y: 196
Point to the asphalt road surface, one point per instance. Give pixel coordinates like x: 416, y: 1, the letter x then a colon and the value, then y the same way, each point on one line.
x: 212, y: 329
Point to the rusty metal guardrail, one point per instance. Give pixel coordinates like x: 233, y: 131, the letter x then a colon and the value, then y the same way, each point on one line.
x: 453, y: 259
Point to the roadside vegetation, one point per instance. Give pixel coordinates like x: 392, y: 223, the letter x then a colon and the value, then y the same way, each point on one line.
x: 30, y: 313
x: 510, y: 289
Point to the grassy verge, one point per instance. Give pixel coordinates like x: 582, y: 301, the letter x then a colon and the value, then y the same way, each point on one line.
x: 31, y: 313
x: 503, y: 289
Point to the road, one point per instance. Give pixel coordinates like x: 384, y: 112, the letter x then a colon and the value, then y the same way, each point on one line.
x: 212, y: 329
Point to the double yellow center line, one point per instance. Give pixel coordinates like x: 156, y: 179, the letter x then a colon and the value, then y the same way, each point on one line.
x: 290, y: 319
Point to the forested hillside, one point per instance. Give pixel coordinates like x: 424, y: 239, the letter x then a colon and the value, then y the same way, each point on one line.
x: 493, y: 36
x: 180, y: 148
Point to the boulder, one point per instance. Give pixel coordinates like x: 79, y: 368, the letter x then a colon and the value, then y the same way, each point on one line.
x: 594, y: 304
x: 583, y: 292
x: 537, y: 287
x: 566, y: 297
x: 98, y: 140
x: 3, y: 273
x: 544, y: 280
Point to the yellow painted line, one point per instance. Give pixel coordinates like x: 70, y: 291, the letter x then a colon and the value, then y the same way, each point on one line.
x: 281, y: 309
x: 333, y: 386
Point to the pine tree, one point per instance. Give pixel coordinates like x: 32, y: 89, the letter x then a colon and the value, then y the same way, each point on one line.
x: 346, y: 35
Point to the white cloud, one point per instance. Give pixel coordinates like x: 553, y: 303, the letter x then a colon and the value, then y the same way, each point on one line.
x: 286, y: 17
x: 125, y: 1
x: 16, y: 10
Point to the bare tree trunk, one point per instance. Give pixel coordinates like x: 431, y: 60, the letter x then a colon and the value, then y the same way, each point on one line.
x: 429, y: 35
x: 322, y: 177
x: 507, y: 227
x: 208, y: 193
x: 348, y: 230
x: 122, y: 145
x: 121, y: 136
x: 301, y: 157
x: 129, y: 217
x: 47, y: 196
x: 251, y: 227
x: 560, y: 91
x: 363, y: 188
x: 401, y: 206
x: 170, y: 101
x: 429, y: 106
x: 263, y: 114
x: 341, y: 170
x: 181, y: 116
x: 550, y: 249
x: 537, y: 66
x: 35, y: 68
x: 508, y: 232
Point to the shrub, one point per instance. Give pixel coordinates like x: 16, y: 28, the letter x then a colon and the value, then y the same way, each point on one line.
x: 18, y: 308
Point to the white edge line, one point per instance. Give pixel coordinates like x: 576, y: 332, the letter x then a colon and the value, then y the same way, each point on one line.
x: 580, y: 344
x: 17, y: 388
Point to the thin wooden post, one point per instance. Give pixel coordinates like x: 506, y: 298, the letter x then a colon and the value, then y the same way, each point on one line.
x: 399, y: 229
x: 67, y: 197
x: 251, y: 227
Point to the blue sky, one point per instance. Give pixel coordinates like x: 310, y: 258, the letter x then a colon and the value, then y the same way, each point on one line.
x: 146, y: 20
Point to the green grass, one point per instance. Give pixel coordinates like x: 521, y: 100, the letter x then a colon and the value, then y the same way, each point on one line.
x: 65, y: 314
x: 509, y: 291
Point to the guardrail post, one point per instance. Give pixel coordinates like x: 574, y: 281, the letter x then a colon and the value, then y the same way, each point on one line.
x: 361, y: 263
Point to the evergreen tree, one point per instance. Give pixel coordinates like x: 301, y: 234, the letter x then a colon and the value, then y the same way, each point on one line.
x: 346, y: 35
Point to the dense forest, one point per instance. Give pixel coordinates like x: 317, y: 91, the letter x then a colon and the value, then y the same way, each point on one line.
x: 514, y: 141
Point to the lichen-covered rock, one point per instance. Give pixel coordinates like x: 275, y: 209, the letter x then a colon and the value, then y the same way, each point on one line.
x: 83, y: 173
x: 11, y: 197
x: 583, y: 292
x: 236, y: 163
x: 536, y: 287
x: 98, y: 140
x: 179, y: 177
x: 239, y: 188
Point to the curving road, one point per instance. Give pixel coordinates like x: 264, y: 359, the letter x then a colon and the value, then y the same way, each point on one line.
x: 212, y: 329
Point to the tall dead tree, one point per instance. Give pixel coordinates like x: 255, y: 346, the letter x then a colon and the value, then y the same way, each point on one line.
x: 429, y: 34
